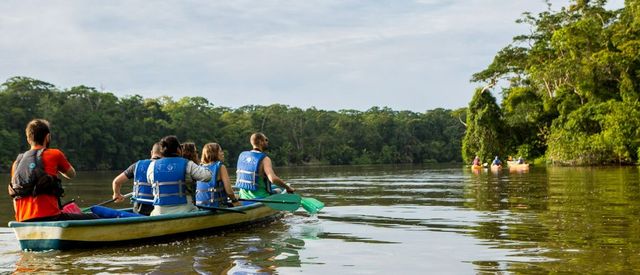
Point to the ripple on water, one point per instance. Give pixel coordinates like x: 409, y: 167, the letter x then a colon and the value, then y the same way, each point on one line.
x: 431, y: 239
x: 9, y: 250
x: 385, y: 219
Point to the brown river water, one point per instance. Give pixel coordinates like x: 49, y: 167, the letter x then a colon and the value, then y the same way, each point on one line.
x: 440, y: 219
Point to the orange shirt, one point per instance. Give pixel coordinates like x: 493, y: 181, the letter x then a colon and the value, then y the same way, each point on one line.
x: 42, y: 205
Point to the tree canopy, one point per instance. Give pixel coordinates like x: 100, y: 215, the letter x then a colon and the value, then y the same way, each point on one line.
x: 573, y: 85
x: 98, y: 130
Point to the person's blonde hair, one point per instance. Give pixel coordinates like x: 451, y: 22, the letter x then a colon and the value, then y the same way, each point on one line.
x: 210, y: 153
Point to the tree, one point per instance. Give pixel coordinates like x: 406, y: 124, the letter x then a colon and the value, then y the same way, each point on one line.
x: 483, y: 135
x: 573, y: 74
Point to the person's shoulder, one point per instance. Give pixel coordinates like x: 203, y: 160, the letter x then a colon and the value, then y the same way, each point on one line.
x: 190, y: 165
x: 53, y: 152
x: 266, y: 159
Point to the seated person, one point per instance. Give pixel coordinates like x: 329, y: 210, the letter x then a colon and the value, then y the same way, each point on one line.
x: 476, y: 161
x: 254, y: 173
x: 35, y: 186
x: 142, y: 191
x: 496, y: 162
x: 168, y: 177
x: 217, y: 191
x: 190, y: 152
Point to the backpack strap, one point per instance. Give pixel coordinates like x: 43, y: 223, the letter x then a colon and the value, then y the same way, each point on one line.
x: 12, y: 192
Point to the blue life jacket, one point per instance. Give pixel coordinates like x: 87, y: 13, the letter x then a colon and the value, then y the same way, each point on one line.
x: 247, y: 170
x: 142, y: 191
x: 211, y: 193
x: 169, y: 186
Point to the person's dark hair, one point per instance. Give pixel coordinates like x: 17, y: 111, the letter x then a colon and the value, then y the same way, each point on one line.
x: 37, y: 131
x: 190, y: 152
x: 170, y: 146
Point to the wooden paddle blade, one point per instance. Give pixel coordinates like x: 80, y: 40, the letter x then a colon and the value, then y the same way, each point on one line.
x: 311, y: 205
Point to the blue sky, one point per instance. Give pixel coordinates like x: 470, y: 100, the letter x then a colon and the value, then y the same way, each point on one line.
x: 334, y: 54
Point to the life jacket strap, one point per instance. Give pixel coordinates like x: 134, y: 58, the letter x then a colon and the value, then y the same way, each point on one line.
x: 212, y: 189
x: 169, y: 183
x: 156, y: 188
x: 181, y: 194
x: 212, y: 200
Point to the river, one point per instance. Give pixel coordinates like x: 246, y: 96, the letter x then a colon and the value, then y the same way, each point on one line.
x: 440, y: 219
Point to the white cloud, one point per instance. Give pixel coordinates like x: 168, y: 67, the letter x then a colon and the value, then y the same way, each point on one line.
x: 347, y: 54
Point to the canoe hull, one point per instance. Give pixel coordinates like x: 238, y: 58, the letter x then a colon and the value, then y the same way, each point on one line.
x: 513, y: 165
x: 63, y: 235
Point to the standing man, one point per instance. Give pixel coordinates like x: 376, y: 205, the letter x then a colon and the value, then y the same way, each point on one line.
x: 35, y: 186
x: 254, y: 174
x: 142, y: 191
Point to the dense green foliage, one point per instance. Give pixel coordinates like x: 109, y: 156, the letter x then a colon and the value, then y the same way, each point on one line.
x: 574, y: 85
x: 482, y: 137
x: 98, y: 130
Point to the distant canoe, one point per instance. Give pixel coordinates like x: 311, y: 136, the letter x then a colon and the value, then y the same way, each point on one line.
x: 515, y: 166
x: 63, y: 235
x: 496, y: 167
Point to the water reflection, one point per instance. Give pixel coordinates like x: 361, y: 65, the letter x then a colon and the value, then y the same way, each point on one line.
x: 581, y: 217
x: 381, y: 219
x: 253, y: 250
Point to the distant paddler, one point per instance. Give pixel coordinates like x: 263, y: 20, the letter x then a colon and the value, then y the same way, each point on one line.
x: 518, y: 164
x: 496, y: 164
x: 476, y: 165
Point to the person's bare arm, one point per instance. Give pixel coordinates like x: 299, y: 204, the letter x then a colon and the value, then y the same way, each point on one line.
x: 116, y: 185
x: 224, y: 176
x: 70, y: 173
x: 273, y: 178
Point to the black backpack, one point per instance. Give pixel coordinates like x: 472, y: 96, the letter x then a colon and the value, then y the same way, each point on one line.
x: 30, y: 179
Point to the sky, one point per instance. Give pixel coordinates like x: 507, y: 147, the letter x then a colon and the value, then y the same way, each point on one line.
x: 333, y: 54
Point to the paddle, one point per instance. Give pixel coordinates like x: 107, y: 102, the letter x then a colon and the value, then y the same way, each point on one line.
x: 221, y: 209
x: 311, y: 205
x: 282, y: 202
x: 290, y: 202
x: 106, y: 202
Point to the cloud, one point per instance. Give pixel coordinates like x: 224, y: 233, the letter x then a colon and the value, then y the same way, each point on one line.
x: 349, y: 54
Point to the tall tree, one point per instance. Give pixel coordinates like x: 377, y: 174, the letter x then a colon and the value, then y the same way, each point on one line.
x: 484, y: 128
